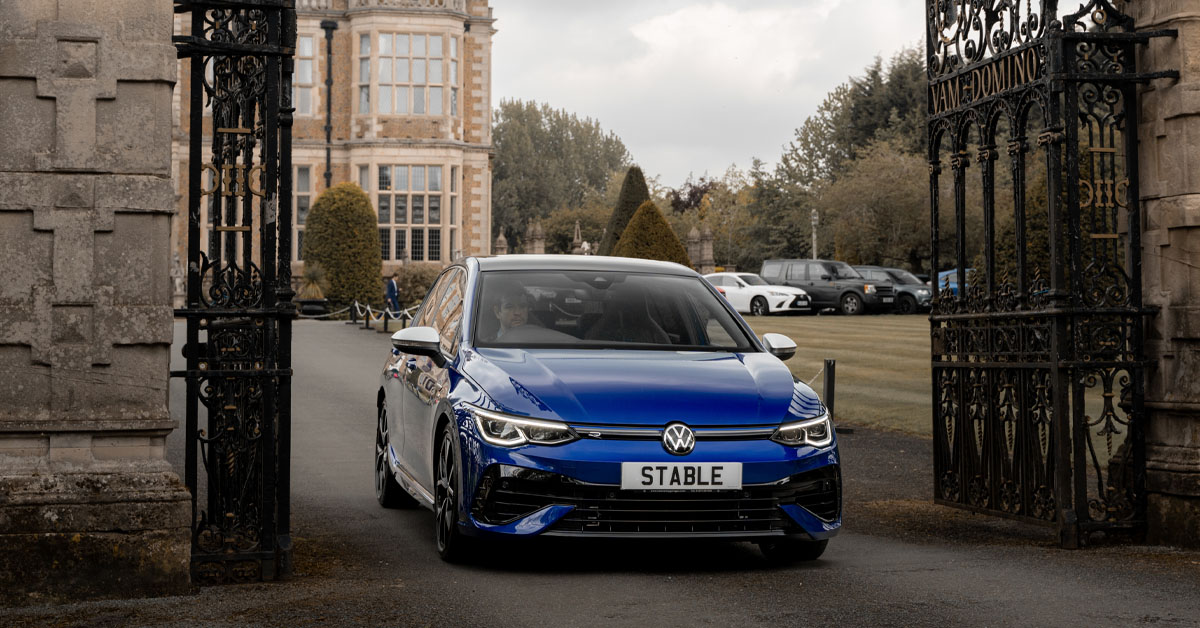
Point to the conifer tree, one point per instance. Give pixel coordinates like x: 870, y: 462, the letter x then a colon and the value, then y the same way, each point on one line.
x: 649, y: 236
x: 633, y: 194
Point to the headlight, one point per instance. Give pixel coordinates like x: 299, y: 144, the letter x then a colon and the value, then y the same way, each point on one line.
x: 869, y: 289
x: 512, y: 431
x: 816, y: 432
x: 778, y: 294
x: 923, y: 292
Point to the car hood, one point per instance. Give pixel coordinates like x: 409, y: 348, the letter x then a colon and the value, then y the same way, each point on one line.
x: 784, y: 289
x: 643, y: 388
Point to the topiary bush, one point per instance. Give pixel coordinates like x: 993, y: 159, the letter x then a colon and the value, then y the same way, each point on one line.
x: 649, y: 236
x: 633, y: 194
x: 342, y: 236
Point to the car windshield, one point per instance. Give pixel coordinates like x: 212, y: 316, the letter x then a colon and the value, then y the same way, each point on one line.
x: 752, y: 279
x: 905, y: 277
x: 842, y: 270
x: 602, y: 310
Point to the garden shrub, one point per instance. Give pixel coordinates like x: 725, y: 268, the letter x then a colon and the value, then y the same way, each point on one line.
x: 413, y: 282
x: 649, y: 236
x: 342, y: 236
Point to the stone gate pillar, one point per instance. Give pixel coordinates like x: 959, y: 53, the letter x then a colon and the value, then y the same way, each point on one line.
x: 89, y: 505
x: 1169, y: 176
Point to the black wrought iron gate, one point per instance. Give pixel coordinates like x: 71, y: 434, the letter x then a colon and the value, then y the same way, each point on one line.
x: 239, y: 308
x: 1037, y: 329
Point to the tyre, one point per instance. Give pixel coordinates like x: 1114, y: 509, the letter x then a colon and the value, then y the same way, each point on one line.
x: 387, y: 490
x: 789, y: 551
x: 852, y: 304
x: 758, y: 306
x: 906, y: 305
x: 452, y: 545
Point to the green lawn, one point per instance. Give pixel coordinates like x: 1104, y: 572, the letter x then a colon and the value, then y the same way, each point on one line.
x: 883, y: 374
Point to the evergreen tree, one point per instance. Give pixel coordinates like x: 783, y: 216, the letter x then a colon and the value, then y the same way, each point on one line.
x: 649, y: 236
x: 633, y: 194
x: 342, y: 236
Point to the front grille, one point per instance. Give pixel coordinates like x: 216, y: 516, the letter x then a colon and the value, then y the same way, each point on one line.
x: 606, y: 509
x: 800, y: 301
x: 883, y: 291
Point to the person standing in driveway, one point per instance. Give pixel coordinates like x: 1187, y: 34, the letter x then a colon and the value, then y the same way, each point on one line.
x: 392, y: 294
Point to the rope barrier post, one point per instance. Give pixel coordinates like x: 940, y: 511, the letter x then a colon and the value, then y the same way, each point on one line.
x: 353, y: 314
x: 386, y: 317
x: 830, y: 380
x: 367, y: 319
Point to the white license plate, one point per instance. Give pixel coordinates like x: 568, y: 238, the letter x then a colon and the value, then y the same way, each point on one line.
x: 887, y: 299
x: 681, y: 476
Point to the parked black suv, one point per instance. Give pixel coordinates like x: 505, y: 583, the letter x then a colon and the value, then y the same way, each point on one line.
x: 912, y: 295
x: 830, y: 284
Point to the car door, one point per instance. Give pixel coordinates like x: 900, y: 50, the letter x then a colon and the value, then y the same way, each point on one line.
x: 817, y: 288
x: 428, y: 383
x: 794, y: 276
x: 414, y: 379
x: 738, y: 293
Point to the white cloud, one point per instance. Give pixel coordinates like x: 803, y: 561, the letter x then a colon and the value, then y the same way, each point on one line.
x: 691, y: 86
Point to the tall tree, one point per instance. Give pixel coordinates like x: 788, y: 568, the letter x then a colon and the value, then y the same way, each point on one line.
x: 546, y: 159
x: 633, y: 194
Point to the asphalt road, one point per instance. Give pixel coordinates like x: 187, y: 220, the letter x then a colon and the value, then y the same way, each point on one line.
x: 899, y: 560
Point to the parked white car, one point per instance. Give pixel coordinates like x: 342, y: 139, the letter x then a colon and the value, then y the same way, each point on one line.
x: 747, y: 292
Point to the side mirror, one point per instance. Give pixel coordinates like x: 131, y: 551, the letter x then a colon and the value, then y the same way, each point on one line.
x: 779, y: 346
x: 420, y: 341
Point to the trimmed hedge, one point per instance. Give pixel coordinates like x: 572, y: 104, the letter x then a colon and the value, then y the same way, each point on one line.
x: 649, y: 236
x: 633, y: 194
x: 342, y: 236
x: 414, y: 280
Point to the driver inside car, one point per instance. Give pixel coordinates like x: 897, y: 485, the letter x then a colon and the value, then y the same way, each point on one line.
x: 512, y: 309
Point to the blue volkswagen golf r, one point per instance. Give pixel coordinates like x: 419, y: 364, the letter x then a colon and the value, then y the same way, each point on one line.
x: 601, y: 397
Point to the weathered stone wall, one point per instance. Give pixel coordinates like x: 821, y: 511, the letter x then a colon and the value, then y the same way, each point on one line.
x: 88, y: 504
x: 1169, y: 137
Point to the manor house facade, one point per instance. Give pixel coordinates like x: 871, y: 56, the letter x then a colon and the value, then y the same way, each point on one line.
x: 411, y: 124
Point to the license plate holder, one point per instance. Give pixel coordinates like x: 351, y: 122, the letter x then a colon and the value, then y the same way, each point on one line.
x: 887, y: 299
x: 681, y: 476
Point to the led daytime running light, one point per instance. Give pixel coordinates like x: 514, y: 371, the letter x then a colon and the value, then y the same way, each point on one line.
x: 816, y: 432
x: 523, y: 430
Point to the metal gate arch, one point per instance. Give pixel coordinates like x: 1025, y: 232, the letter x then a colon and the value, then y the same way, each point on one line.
x: 1036, y: 335
x: 239, y: 308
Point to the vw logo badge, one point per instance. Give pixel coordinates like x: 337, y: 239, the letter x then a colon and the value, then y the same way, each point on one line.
x: 678, y: 439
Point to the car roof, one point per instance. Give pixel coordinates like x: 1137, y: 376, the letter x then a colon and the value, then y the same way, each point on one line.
x: 581, y: 262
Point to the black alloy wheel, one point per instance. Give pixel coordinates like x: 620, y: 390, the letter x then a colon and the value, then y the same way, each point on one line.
x: 758, y: 306
x: 387, y: 490
x: 906, y: 305
x: 451, y: 544
x: 852, y: 304
x: 788, y: 551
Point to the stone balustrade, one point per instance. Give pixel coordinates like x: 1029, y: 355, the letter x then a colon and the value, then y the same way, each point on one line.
x: 451, y: 5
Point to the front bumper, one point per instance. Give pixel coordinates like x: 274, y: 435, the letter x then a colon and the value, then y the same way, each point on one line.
x: 574, y: 490
x: 789, y: 303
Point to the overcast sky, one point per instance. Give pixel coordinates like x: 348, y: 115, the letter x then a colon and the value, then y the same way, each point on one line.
x: 691, y: 86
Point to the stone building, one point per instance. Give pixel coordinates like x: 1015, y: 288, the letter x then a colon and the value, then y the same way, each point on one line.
x: 411, y: 123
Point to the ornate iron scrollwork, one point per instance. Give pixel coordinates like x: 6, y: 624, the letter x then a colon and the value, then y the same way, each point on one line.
x: 1042, y: 333
x: 239, y: 296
